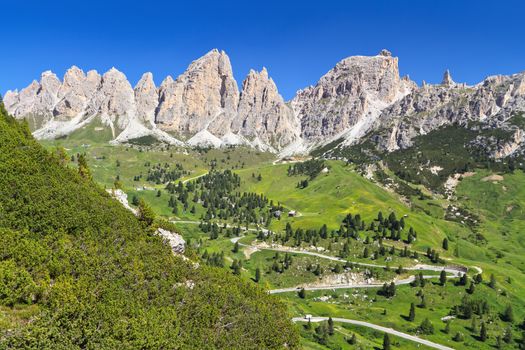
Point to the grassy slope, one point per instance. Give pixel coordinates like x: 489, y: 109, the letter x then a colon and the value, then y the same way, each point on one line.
x: 331, y: 196
x: 356, y: 305
x: 501, y: 208
x: 100, y: 279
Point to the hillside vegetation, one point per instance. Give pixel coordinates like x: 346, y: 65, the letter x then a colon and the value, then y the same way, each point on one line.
x: 78, y: 271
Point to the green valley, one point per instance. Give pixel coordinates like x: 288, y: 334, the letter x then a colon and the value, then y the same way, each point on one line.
x: 340, y: 234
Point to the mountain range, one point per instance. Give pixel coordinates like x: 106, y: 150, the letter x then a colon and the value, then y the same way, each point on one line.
x: 363, y: 99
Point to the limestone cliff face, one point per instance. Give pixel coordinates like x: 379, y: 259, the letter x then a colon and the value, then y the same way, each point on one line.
x: 113, y: 100
x: 355, y: 88
x: 146, y: 99
x: 433, y: 106
x: 263, y: 114
x: 361, y: 98
x: 74, y: 93
x: 205, y: 96
x: 201, y: 105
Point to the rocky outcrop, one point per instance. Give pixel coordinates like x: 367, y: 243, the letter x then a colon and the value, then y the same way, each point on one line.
x: 351, y: 94
x: 447, y: 79
x: 74, y: 93
x: 361, y: 98
x: 434, y: 106
x: 113, y: 101
x: 205, y: 96
x: 146, y: 99
x: 202, y: 106
x: 263, y: 114
x: 173, y: 239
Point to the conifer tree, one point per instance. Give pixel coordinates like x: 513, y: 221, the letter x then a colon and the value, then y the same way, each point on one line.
x: 412, y: 313
x: 483, y: 332
x: 386, y: 342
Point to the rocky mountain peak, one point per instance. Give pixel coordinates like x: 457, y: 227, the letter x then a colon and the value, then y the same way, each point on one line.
x: 73, y: 76
x: 447, y: 79
x: 359, y: 96
x: 352, y: 93
x: 146, y: 98
x: 263, y: 114
x: 113, y: 100
x: 204, y: 96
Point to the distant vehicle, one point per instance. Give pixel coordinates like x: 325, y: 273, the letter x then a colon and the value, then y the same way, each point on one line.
x: 307, y: 317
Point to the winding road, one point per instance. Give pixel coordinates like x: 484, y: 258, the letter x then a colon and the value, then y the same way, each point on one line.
x: 193, y: 178
x: 376, y: 327
x: 351, y: 286
x: 452, y: 271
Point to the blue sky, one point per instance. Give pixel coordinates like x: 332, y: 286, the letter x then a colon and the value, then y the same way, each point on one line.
x: 298, y: 41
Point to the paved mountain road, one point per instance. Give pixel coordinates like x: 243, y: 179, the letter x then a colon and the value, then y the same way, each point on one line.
x: 376, y: 327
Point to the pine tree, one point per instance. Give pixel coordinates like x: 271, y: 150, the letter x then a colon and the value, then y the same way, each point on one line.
x: 521, y: 342
x: 445, y: 244
x: 478, y: 278
x: 463, y: 280
x: 499, y: 343
x: 330, y: 326
x: 483, y: 332
x: 235, y: 247
x: 145, y: 213
x: 474, y: 325
x: 426, y: 327
x: 423, y: 303
x: 508, y: 314
x: 458, y: 337
x: 492, y: 283
x: 386, y: 342
x: 83, y: 169
x: 352, y: 340
x: 308, y: 325
x: 412, y: 313
x: 302, y: 293
x: 443, y: 277
x: 507, y: 335
x: 257, y: 275
x: 447, y: 327
x: 472, y: 288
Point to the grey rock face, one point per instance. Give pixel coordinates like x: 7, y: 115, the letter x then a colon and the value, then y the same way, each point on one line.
x: 263, y: 114
x: 147, y: 99
x: 205, y: 96
x: 355, y: 87
x: 360, y: 98
x: 433, y: 106
x: 114, y: 100
x: 447, y: 79
x: 74, y: 93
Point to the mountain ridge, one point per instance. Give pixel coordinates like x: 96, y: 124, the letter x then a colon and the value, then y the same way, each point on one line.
x: 360, y: 98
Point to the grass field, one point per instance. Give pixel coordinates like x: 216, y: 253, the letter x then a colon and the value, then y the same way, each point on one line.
x: 498, y: 203
x: 341, y: 191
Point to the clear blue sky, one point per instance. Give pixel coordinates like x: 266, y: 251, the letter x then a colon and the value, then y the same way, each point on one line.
x: 298, y: 41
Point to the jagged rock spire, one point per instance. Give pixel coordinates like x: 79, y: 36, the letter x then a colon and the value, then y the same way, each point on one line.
x: 447, y: 79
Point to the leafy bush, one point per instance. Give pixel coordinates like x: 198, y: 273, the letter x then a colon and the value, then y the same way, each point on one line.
x: 16, y: 284
x: 102, y: 279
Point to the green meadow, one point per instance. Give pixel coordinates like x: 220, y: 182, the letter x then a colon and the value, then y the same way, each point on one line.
x: 493, y: 244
